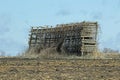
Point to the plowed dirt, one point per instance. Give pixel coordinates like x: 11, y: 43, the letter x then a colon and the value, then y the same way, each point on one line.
x: 59, y: 69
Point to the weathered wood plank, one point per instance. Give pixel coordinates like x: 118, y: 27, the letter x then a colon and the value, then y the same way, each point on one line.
x: 74, y: 34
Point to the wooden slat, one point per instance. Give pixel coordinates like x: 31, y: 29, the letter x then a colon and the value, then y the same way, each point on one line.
x: 71, y: 32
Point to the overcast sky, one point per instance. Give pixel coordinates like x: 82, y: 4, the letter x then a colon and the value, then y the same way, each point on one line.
x: 17, y: 17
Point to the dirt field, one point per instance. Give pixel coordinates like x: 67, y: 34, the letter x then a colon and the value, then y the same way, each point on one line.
x: 65, y: 69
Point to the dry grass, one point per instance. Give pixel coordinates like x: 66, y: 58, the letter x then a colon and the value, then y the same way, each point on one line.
x: 45, y: 53
x: 51, y: 53
x: 112, y: 55
x: 99, y: 55
x: 95, y: 55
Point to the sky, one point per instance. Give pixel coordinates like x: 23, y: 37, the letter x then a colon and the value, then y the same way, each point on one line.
x: 17, y: 17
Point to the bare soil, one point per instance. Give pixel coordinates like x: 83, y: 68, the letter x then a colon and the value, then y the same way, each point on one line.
x: 59, y: 69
